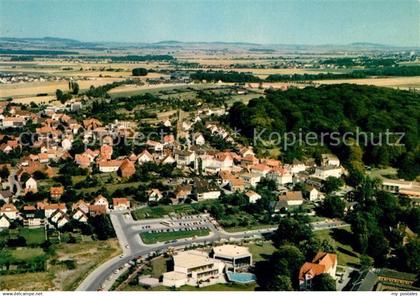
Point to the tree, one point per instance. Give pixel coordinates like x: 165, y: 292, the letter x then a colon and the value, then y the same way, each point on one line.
x: 292, y: 231
x: 378, y: 247
x: 75, y: 88
x: 102, y: 227
x: 139, y: 72
x: 61, y: 96
x: 409, y: 256
x: 38, y: 175
x: 365, y: 262
x: 280, y: 283
x: 332, y: 184
x: 323, y: 282
x: 4, y: 172
x: 287, y: 260
x: 333, y: 207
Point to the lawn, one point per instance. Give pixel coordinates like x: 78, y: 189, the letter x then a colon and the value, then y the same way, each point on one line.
x: 251, y: 227
x: 261, y: 250
x: 340, y: 239
x: 152, y: 238
x: 33, y: 236
x: 159, y: 266
x: 27, y: 253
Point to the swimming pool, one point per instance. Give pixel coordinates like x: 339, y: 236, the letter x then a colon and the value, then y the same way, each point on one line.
x: 241, y: 277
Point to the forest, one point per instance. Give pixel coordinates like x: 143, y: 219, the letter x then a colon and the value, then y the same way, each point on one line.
x: 241, y: 77
x: 341, y: 109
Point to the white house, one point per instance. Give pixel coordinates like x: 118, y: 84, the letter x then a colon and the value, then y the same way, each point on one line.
x: 314, y: 194
x: 109, y: 166
x: 205, y: 190
x: 292, y: 198
x: 4, y: 221
x: 31, y: 185
x: 297, y: 166
x: 145, y: 156
x: 79, y: 215
x: 328, y: 171
x: 282, y: 176
x: 101, y: 201
x: 62, y: 221
x: 184, y: 157
x: 9, y: 210
x: 330, y: 160
x: 156, y: 146
x: 154, y: 195
x: 66, y: 144
x: 199, y: 139
x: 253, y: 196
x: 121, y: 204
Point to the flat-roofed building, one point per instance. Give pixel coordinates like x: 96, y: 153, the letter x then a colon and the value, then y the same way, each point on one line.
x: 196, y: 266
x: 233, y: 256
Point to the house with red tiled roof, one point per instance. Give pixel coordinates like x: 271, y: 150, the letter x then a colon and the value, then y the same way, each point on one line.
x: 91, y: 123
x: 154, y: 194
x: 145, y: 156
x: 127, y: 169
x: 14, y: 122
x: 260, y: 169
x: 56, y: 192
x: 100, y: 200
x: 50, y: 208
x: 83, y: 160
x: 281, y: 175
x: 322, y: 263
x: 106, y: 152
x: 249, y: 160
x: 156, y: 146
x: 9, y: 210
x: 9, y: 146
x: 81, y: 205
x: 79, y: 215
x: 292, y: 198
x: 168, y: 139
x: 121, y: 204
x: 95, y: 210
x: 109, y: 166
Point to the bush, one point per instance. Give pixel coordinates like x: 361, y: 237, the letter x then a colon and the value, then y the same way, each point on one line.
x: 139, y: 72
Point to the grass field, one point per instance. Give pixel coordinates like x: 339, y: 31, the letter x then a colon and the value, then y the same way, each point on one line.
x: 251, y: 227
x: 27, y: 253
x: 49, y: 87
x: 33, y: 236
x: 261, y: 250
x: 87, y: 256
x: 159, y: 266
x: 152, y: 238
x: 340, y: 239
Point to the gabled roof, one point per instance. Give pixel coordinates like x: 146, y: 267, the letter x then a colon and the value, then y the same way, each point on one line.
x: 8, y: 208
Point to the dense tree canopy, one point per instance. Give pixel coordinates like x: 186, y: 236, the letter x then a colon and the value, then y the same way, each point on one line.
x: 367, y: 112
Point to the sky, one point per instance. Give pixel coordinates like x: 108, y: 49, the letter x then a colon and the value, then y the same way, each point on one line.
x: 392, y: 22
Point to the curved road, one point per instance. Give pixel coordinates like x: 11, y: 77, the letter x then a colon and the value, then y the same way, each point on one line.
x: 13, y: 182
x: 127, y: 232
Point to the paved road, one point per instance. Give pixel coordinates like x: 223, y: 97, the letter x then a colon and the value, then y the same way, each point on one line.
x: 127, y: 231
x: 14, y: 183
